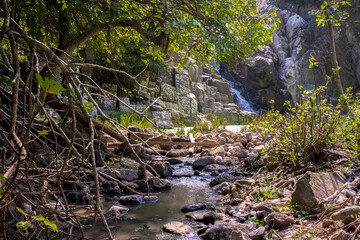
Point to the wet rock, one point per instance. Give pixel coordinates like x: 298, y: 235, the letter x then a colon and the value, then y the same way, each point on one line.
x: 225, y: 177
x: 158, y: 183
x: 278, y: 220
x: 312, y: 188
x: 178, y: 228
x: 231, y: 230
x: 173, y: 161
x: 137, y: 199
x: 117, y: 211
x: 195, y: 207
x: 196, y: 215
x: 340, y: 235
x: 162, y: 168
x: 258, y: 233
x: 215, y: 167
x: 201, y: 162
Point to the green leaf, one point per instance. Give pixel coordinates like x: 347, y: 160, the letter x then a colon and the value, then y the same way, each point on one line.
x: 39, y: 218
x: 22, y: 226
x: 21, y: 211
x: 49, y: 223
x: 2, y: 178
x: 43, y: 132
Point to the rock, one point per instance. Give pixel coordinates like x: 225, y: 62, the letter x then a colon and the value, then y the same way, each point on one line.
x: 158, y: 183
x: 177, y: 153
x: 312, y: 188
x: 227, y: 230
x: 245, y: 181
x: 201, y: 162
x: 196, y: 215
x: 223, y: 188
x: 242, y: 154
x: 137, y: 199
x: 173, y: 161
x: 327, y: 223
x: 117, y: 211
x: 259, y: 148
x: 219, y: 151
x: 340, y: 235
x: 215, y: 167
x: 127, y: 174
x: 162, y: 168
x: 278, y: 220
x: 195, y: 207
x: 258, y: 233
x: 242, y: 139
x: 178, y: 228
x: 225, y: 177
x: 250, y: 145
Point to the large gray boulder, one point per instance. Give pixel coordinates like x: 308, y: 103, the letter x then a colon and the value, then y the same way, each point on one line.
x: 201, y: 162
x: 313, y: 188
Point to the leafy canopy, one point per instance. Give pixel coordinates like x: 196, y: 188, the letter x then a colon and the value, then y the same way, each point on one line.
x: 216, y: 29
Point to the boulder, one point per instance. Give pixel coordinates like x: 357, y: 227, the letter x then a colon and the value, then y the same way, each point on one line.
x: 162, y: 168
x: 229, y: 230
x: 215, y: 167
x: 173, y: 161
x: 158, y: 183
x: 225, y: 177
x: 279, y: 220
x: 312, y: 188
x: 258, y: 233
x: 127, y: 174
x: 196, y: 215
x: 201, y: 162
x: 137, y: 199
x: 178, y: 228
x: 195, y: 207
x: 340, y: 235
x: 117, y: 211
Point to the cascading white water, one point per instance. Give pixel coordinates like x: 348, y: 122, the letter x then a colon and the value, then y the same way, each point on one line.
x: 239, y: 99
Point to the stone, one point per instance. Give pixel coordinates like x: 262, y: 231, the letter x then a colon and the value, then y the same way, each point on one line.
x: 215, y: 167
x: 127, y: 174
x: 327, y: 223
x: 173, y: 161
x: 201, y: 162
x: 312, y: 188
x: 137, y: 199
x: 196, y: 215
x: 278, y: 220
x: 178, y: 228
x: 242, y: 154
x: 177, y: 153
x: 158, y: 183
x: 340, y: 235
x: 229, y: 230
x: 218, y: 151
x: 225, y: 177
x: 257, y: 234
x: 117, y: 211
x: 245, y: 181
x: 162, y: 168
x: 196, y: 207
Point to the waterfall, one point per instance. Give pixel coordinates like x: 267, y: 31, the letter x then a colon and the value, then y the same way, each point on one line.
x: 239, y: 99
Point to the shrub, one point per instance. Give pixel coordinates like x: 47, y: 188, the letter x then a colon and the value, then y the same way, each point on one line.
x: 305, y: 131
x: 129, y: 118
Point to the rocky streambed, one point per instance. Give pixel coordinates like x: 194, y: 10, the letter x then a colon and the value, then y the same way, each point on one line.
x: 227, y: 191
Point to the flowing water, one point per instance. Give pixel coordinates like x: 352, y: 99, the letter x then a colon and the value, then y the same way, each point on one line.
x: 146, y: 221
x: 240, y: 100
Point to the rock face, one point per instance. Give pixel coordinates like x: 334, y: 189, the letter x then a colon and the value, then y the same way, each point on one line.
x: 312, y: 188
x: 277, y: 70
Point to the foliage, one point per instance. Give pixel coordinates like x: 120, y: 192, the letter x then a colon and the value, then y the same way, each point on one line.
x: 265, y: 194
x: 180, y: 131
x: 128, y: 118
x: 306, y: 130
x: 330, y: 12
x: 235, y: 27
x: 24, y: 225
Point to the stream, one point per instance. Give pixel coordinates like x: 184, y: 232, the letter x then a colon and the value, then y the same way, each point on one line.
x: 146, y: 221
